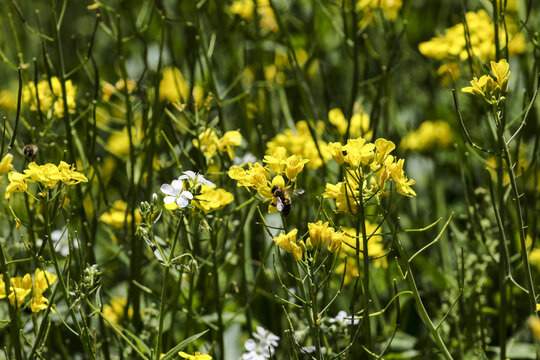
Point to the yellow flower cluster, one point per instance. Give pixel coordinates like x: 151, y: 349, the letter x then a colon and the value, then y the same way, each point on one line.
x: 348, y: 253
x: 288, y: 243
x: 299, y: 142
x: 211, y: 199
x: 489, y: 89
x: 116, y: 216
x: 390, y: 8
x: 115, y: 311
x: 369, y: 167
x: 359, y: 123
x: 47, y: 175
x: 430, y: 135
x: 259, y: 178
x: 50, y: 96
x: 322, y: 234
x: 21, y: 287
x: 245, y: 9
x: 210, y: 143
x: 319, y: 235
x: 482, y: 39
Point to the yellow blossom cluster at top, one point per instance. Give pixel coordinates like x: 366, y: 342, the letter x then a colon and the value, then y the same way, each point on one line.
x: 47, y: 175
x: 482, y: 39
x: 489, y: 89
x: 259, y: 178
x: 245, y: 9
x: 299, y: 142
x: 369, y: 168
x: 21, y: 287
x: 50, y: 96
x: 359, y: 123
x: 430, y: 135
x: 210, y: 143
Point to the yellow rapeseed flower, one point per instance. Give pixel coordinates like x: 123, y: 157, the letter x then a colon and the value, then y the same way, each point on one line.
x: 481, y: 31
x: 20, y: 288
x: 430, y: 135
x: 228, y: 141
x: 287, y: 242
x: 115, y: 311
x: 47, y: 174
x: 173, y: 87
x: 491, y: 90
x: 299, y: 142
x: 68, y: 174
x: 196, y: 356
x: 211, y: 199
x: 359, y: 123
x: 294, y: 165
x: 17, y: 183
x: 5, y: 164
x: 116, y: 216
x: 50, y: 96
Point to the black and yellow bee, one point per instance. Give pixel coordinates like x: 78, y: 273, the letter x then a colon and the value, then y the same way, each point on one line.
x: 283, y: 200
x: 30, y: 152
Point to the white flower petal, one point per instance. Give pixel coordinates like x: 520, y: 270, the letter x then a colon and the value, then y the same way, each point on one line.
x: 178, y: 186
x: 202, y: 180
x: 188, y: 175
x: 182, y: 202
x: 250, y: 345
x: 167, y: 189
x: 169, y: 199
x: 187, y: 194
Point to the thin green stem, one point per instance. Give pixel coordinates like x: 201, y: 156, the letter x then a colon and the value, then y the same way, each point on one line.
x: 162, y: 306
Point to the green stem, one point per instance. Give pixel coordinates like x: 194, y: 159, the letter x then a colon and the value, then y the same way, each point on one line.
x: 521, y: 225
x: 420, y: 305
x: 162, y: 310
x: 13, y: 312
x: 83, y: 333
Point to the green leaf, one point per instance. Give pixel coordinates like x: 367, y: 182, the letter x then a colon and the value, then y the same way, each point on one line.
x: 172, y: 353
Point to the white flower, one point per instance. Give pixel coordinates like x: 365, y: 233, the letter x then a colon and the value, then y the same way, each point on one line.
x: 265, y: 337
x: 343, y: 319
x: 195, y: 178
x: 176, y: 193
x: 264, y: 348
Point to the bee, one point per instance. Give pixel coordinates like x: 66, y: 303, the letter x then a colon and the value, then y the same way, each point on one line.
x: 30, y: 152
x: 283, y: 200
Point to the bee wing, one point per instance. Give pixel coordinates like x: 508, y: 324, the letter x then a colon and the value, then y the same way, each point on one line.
x: 279, y: 204
x: 297, y: 192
